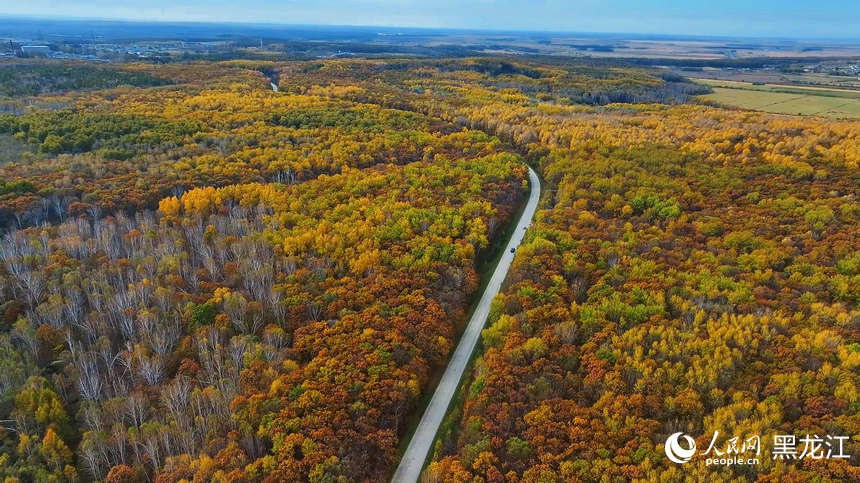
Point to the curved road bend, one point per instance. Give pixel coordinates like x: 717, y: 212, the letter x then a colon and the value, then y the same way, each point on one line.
x: 416, y: 453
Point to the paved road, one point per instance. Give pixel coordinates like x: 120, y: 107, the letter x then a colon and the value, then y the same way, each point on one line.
x: 413, y: 460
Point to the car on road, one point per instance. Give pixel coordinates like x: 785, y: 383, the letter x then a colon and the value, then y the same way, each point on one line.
x: 513, y: 250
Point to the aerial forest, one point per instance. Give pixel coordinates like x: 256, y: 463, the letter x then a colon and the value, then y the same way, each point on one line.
x: 202, y: 279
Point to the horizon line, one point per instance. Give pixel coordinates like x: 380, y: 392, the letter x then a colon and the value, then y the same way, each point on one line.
x: 422, y: 28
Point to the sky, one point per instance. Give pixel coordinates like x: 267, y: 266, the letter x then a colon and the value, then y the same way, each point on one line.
x: 736, y: 18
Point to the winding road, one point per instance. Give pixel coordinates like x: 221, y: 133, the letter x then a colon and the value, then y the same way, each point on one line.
x: 413, y: 460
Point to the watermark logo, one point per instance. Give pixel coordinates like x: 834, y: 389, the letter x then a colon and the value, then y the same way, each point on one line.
x: 675, y: 452
x: 738, y: 451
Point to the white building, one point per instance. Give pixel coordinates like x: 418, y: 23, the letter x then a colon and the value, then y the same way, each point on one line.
x: 35, y: 49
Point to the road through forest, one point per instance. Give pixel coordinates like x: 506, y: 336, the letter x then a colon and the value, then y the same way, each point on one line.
x: 413, y: 460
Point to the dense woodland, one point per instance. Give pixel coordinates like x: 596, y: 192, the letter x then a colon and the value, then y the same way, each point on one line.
x: 205, y: 280
x: 19, y: 78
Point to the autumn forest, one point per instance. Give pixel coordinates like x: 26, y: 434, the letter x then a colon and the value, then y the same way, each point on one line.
x: 202, y: 279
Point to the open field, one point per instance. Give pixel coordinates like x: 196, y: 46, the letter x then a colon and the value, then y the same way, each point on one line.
x: 846, y: 93
x: 789, y: 100
x: 772, y: 76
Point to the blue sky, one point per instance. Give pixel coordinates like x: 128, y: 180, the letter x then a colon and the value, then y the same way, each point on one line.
x: 743, y: 18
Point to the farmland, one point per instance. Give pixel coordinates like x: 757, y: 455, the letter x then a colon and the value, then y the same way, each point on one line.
x: 785, y: 99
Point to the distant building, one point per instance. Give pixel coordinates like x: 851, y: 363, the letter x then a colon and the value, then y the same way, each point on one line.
x: 36, y: 49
